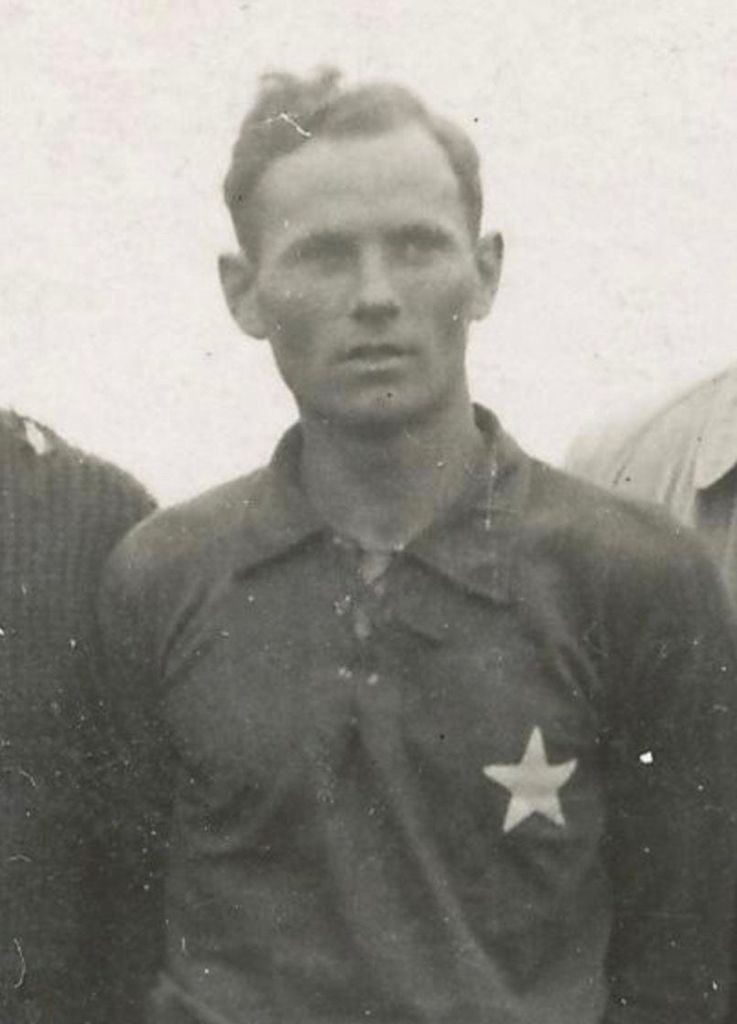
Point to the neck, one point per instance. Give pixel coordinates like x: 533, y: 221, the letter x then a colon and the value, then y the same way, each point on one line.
x: 382, y: 489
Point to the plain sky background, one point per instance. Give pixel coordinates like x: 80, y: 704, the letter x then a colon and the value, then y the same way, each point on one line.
x: 608, y: 130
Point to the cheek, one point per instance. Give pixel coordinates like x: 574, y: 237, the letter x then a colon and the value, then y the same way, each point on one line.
x: 291, y: 303
x: 444, y: 298
x: 297, y: 319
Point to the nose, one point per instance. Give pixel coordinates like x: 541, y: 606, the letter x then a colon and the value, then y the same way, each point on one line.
x: 376, y: 300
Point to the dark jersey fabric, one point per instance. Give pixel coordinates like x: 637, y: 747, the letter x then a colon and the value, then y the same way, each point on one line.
x: 61, y: 513
x: 492, y: 783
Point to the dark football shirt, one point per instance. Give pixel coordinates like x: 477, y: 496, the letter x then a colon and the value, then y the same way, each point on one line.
x: 491, y: 782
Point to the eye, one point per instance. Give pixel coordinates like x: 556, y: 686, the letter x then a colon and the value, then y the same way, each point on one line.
x: 419, y: 245
x: 326, y: 254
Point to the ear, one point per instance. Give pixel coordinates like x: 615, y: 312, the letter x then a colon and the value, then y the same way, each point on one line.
x: 489, y: 259
x: 237, y: 277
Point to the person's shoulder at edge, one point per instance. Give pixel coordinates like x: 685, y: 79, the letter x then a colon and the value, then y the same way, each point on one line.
x: 90, y: 480
x: 653, y: 439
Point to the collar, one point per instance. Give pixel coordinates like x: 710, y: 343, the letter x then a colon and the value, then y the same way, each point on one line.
x: 716, y: 453
x: 469, y: 545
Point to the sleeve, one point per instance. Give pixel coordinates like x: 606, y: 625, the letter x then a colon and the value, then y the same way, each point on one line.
x: 583, y: 459
x: 117, y: 504
x: 597, y: 453
x: 671, y: 771
x: 132, y: 790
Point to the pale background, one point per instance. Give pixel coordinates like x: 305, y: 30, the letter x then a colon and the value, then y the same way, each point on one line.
x: 608, y: 133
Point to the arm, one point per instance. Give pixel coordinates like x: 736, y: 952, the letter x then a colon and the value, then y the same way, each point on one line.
x: 112, y: 503
x: 132, y: 788
x: 671, y: 769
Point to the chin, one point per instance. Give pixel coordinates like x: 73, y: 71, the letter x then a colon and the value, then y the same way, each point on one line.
x: 378, y: 417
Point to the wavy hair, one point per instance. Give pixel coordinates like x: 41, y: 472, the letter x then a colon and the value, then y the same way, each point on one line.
x: 289, y: 111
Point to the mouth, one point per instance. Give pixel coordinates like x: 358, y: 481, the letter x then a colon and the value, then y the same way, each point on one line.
x: 375, y: 354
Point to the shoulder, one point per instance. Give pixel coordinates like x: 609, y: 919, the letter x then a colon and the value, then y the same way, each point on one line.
x: 190, y: 538
x: 636, y: 453
x: 605, y: 538
x: 77, y: 487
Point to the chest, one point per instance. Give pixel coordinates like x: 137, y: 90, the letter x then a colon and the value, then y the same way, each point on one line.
x: 304, y: 680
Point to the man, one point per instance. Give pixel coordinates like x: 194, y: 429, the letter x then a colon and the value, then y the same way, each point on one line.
x: 439, y: 733
x: 61, y: 512
x: 682, y: 456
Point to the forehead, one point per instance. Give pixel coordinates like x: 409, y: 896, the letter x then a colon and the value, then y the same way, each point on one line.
x: 361, y: 180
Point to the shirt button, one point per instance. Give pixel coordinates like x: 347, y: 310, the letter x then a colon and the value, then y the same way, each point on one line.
x: 379, y: 587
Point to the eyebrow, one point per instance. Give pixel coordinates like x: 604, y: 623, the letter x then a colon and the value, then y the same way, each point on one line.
x: 316, y: 240
x: 423, y: 231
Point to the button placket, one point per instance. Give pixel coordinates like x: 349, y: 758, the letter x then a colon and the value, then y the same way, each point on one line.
x: 360, y: 605
x: 362, y: 625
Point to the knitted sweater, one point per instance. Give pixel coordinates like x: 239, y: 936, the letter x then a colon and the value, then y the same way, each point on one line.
x: 61, y: 511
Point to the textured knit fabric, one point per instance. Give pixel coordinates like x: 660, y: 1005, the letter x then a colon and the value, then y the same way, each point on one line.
x: 491, y: 784
x: 61, y: 511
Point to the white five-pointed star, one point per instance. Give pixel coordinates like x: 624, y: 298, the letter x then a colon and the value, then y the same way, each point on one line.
x: 533, y: 783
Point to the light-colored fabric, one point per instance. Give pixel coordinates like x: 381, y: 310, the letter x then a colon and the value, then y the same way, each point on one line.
x: 683, y: 457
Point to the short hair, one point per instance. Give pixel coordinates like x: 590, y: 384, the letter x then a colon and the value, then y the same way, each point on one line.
x: 290, y: 111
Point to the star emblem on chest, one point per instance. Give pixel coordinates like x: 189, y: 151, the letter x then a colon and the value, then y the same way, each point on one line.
x: 533, y: 783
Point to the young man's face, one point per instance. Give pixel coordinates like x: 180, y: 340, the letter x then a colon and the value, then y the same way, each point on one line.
x: 367, y: 277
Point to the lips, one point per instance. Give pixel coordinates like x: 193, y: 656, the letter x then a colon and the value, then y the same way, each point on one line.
x: 375, y: 353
